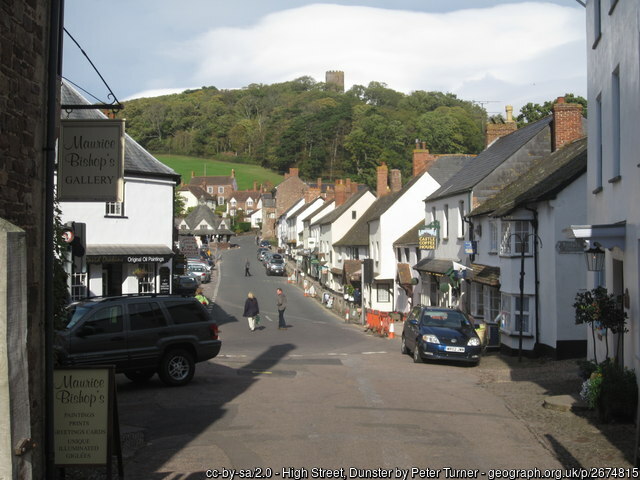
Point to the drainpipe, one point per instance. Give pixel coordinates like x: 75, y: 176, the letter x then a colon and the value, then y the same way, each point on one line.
x: 54, y: 71
x: 534, y: 223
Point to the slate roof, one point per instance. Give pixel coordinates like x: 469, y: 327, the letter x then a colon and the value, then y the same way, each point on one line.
x: 200, y: 213
x: 137, y: 161
x: 306, y: 207
x: 244, y: 195
x: 477, y: 168
x: 333, y: 215
x: 543, y: 181
x: 358, y: 235
x: 197, y: 192
x: 434, y: 265
x: 212, y: 180
x: 410, y: 238
x: 446, y: 166
x: 325, y: 205
x: 485, y: 274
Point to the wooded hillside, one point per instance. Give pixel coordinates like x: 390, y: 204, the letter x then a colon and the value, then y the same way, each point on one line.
x: 308, y: 124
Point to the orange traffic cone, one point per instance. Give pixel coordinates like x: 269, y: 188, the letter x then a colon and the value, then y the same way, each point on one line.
x: 392, y: 330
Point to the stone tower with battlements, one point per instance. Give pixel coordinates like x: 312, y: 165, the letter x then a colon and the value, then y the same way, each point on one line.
x: 335, y: 78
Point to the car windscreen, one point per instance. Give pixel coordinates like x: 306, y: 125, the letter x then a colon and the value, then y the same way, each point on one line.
x: 74, y: 313
x: 277, y: 261
x: 444, y: 319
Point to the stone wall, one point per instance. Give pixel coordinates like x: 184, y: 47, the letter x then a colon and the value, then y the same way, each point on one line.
x: 23, y: 79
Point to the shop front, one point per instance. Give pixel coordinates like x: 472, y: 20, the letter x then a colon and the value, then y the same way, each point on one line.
x: 125, y: 269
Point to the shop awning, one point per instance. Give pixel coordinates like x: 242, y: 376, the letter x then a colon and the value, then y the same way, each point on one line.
x: 486, y: 275
x: 606, y: 235
x: 434, y: 265
x: 111, y: 253
x: 352, y: 270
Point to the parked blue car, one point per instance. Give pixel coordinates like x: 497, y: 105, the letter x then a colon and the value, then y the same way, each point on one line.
x: 434, y: 333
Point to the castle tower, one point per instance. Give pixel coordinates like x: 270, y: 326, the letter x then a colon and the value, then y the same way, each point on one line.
x: 335, y: 78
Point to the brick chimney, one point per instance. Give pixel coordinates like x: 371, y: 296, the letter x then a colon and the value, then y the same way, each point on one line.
x: 293, y: 172
x: 396, y: 180
x: 497, y: 130
x: 567, y: 123
x: 422, y: 159
x: 382, y: 180
x: 255, y: 185
x: 341, y: 192
x: 319, y: 183
x: 233, y: 173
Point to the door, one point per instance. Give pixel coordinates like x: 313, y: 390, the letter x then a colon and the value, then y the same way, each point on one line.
x: 100, y: 339
x: 111, y: 279
x: 411, y: 327
x: 147, y: 329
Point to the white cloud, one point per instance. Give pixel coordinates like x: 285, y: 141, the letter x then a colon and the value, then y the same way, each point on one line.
x: 514, y: 53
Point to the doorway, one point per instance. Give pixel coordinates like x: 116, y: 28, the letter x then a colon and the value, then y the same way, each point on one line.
x: 112, y: 279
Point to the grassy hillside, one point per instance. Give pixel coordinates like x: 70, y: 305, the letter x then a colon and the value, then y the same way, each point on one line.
x: 245, y: 174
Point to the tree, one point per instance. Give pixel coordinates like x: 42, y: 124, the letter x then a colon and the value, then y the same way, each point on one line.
x: 532, y: 112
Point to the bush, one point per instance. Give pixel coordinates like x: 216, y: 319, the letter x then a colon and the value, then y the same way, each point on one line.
x: 613, y: 391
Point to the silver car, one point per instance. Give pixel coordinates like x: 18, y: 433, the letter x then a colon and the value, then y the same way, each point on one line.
x: 201, y: 271
x: 275, y: 266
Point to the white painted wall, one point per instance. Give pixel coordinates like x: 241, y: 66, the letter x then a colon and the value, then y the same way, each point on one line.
x: 617, y: 48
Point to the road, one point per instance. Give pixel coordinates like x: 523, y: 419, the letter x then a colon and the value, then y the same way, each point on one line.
x: 321, y: 394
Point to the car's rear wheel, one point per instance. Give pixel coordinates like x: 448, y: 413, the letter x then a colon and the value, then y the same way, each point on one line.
x: 403, y: 346
x: 417, y: 358
x: 177, y: 368
x: 139, y: 376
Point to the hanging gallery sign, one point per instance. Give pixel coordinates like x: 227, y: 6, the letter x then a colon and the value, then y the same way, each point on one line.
x: 91, y: 161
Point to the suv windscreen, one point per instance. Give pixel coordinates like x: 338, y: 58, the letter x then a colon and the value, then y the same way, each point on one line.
x: 75, y: 313
x: 276, y: 262
x: 104, y: 320
x: 185, y: 312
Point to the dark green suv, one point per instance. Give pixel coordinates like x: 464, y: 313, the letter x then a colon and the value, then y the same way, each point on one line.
x: 140, y: 335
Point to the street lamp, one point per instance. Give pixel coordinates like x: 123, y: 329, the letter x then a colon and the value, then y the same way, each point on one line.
x: 595, y: 259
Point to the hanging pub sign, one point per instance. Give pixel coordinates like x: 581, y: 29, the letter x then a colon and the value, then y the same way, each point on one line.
x: 91, y: 161
x: 427, y: 242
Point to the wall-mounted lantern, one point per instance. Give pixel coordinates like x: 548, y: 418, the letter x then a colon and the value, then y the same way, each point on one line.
x: 595, y: 259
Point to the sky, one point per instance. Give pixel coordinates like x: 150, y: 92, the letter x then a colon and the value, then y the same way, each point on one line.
x: 493, y: 52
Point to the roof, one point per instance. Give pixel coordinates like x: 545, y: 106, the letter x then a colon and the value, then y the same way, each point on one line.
x: 212, y: 180
x: 137, y: 161
x: 359, y: 233
x: 410, y: 237
x: 486, y: 275
x: 244, y: 195
x: 197, y: 192
x: 543, y: 181
x: 333, y: 215
x: 306, y: 207
x: 477, y: 168
x: 200, y: 213
x: 319, y: 210
x: 352, y: 269
x: 446, y: 166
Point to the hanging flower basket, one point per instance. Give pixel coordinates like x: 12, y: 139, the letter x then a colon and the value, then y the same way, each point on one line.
x: 140, y: 273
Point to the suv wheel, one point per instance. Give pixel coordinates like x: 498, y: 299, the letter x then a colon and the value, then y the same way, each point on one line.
x: 139, y: 376
x: 416, y: 354
x: 403, y: 346
x: 177, y: 368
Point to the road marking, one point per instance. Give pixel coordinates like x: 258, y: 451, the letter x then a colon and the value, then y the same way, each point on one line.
x: 372, y: 353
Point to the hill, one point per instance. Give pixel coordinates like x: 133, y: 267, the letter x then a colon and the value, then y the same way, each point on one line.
x: 245, y: 174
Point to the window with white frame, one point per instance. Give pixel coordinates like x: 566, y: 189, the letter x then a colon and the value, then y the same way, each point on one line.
x: 383, y: 293
x: 220, y: 200
x: 445, y: 222
x: 209, y: 189
x: 220, y: 189
x: 461, y: 219
x: 493, y: 236
x: 114, y: 209
x: 78, y: 286
x: 511, y: 313
x: 491, y: 303
x: 615, y: 123
x: 249, y: 203
x: 477, y: 300
x: 516, y: 237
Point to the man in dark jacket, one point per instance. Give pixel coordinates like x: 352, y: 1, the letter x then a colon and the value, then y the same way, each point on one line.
x: 281, y: 303
x: 251, y: 310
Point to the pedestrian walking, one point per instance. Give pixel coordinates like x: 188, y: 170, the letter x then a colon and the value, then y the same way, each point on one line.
x: 251, y: 311
x: 247, y: 273
x: 281, y: 303
x: 200, y: 296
